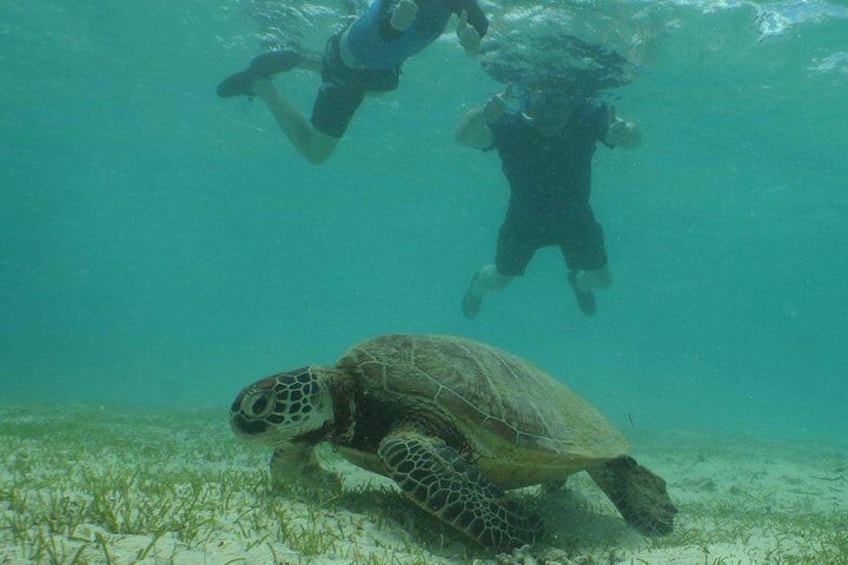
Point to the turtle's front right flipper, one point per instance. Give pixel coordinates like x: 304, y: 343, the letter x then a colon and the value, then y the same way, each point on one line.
x: 442, y: 482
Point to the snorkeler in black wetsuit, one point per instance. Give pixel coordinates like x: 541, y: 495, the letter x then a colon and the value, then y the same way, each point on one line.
x: 546, y: 150
x: 366, y: 57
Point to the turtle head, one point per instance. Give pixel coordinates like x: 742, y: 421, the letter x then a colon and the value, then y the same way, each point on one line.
x: 295, y: 406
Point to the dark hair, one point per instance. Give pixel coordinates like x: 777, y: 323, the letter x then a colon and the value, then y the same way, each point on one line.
x: 543, y: 63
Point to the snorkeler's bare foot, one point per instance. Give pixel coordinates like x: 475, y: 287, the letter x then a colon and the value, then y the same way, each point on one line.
x: 585, y: 298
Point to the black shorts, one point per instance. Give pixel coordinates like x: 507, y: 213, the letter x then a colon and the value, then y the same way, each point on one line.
x: 342, y: 90
x: 580, y: 239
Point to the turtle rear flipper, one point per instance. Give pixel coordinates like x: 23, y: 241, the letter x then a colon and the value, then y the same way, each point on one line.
x: 439, y: 480
x: 639, y: 495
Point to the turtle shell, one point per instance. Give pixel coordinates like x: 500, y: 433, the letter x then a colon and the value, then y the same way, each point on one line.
x: 521, y: 425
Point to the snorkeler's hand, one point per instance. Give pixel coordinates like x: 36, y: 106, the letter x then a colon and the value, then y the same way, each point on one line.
x: 403, y: 14
x: 468, y: 36
x: 496, y: 105
x: 621, y: 132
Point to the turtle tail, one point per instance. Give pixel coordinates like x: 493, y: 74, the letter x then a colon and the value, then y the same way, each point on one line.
x: 442, y: 482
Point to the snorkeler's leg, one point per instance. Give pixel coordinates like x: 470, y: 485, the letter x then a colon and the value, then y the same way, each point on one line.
x: 586, y: 258
x: 583, y: 281
x: 513, y: 253
x: 486, y: 279
x: 265, y: 66
x: 589, y: 257
x: 586, y: 280
x: 313, y: 144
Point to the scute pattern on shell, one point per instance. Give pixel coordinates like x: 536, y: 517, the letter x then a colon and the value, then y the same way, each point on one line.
x: 509, y: 407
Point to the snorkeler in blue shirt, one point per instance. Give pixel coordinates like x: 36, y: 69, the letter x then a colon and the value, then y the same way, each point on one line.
x: 366, y: 57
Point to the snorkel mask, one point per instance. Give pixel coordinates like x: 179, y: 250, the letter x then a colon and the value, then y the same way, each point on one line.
x: 548, y: 110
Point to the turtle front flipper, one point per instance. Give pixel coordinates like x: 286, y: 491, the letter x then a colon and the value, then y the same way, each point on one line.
x: 297, y: 464
x: 439, y: 480
x: 640, y: 495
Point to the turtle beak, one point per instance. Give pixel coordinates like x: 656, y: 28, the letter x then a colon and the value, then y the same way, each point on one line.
x: 243, y: 426
x: 247, y: 429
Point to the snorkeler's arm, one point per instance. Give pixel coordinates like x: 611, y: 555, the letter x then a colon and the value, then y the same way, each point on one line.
x: 472, y: 25
x: 395, y: 17
x: 468, y: 37
x: 624, y: 134
x: 474, y: 128
x: 620, y: 132
x: 476, y: 16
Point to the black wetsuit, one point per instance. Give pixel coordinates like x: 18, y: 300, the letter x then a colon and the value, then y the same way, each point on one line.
x: 551, y: 181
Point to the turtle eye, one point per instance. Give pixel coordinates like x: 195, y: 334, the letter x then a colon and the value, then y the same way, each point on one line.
x: 256, y: 405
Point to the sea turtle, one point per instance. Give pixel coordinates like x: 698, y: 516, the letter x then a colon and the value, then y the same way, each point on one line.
x: 454, y: 423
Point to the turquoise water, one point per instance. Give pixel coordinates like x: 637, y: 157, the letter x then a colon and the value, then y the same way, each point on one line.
x: 161, y: 246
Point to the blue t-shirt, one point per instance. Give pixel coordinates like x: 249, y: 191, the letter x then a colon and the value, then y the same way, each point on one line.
x: 378, y: 46
x: 550, y: 176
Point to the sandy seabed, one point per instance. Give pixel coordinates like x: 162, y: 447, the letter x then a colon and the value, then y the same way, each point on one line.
x: 97, y: 484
